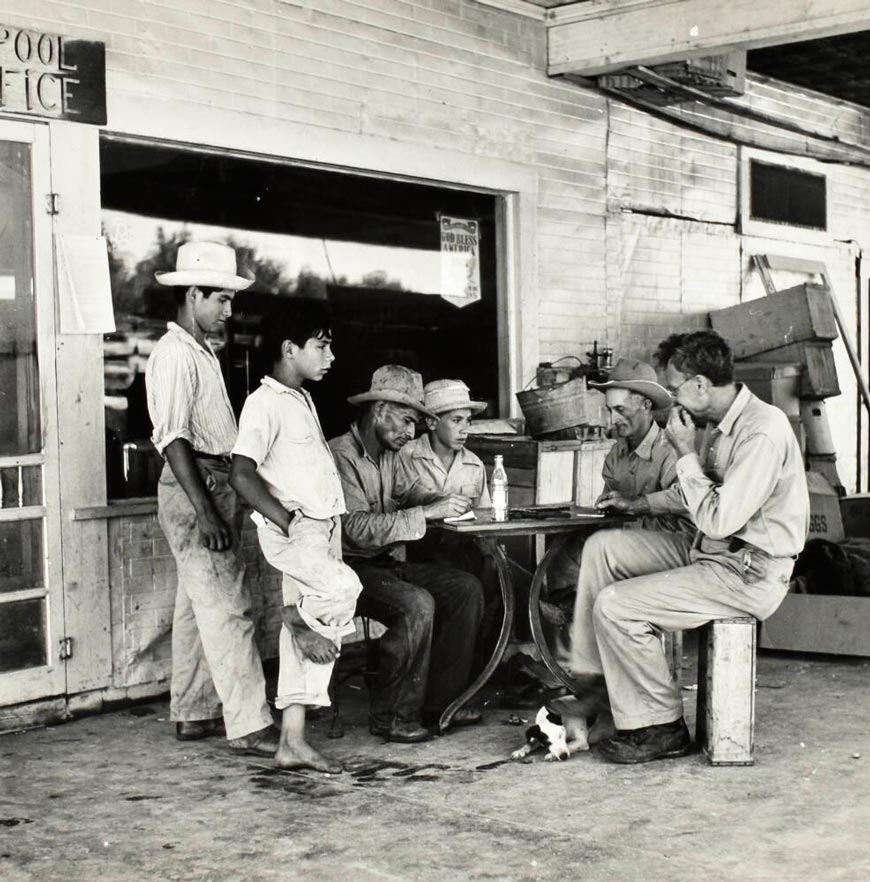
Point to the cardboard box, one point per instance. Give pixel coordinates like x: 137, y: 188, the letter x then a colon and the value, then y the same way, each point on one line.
x: 826, y: 522
x: 819, y: 623
x: 801, y: 313
x: 777, y: 384
x: 819, y: 379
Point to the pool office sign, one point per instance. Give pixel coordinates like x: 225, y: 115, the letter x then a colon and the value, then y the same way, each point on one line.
x: 52, y: 76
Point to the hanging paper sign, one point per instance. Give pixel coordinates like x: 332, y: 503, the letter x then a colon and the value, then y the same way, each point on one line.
x: 460, y: 260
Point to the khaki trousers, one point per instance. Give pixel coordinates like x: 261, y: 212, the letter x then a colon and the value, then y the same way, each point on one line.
x: 634, y: 584
x: 216, y: 667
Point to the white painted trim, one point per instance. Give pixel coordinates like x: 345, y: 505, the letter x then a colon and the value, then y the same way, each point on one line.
x: 269, y: 139
x: 517, y: 7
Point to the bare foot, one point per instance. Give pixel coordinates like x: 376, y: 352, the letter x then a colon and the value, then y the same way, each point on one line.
x: 301, y: 755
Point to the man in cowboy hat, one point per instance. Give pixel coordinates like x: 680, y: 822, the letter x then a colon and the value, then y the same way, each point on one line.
x: 432, y: 613
x: 746, y: 493
x: 217, y: 676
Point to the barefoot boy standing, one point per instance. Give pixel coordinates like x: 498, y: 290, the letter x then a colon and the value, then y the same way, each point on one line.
x: 283, y: 468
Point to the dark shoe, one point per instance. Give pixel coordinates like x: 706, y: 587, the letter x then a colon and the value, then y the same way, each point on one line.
x: 196, y: 730
x: 262, y: 743
x: 401, y: 731
x: 649, y: 743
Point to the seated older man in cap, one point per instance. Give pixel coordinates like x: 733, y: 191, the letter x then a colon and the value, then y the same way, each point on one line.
x: 639, y: 470
x: 432, y: 612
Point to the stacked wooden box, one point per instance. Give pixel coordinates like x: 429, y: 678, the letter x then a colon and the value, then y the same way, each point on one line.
x: 782, y: 346
x: 546, y: 472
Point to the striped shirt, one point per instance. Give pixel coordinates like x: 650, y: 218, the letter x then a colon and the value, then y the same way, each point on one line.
x: 187, y: 396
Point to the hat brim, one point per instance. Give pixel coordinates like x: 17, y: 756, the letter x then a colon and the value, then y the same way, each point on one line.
x: 205, y: 279
x: 395, y: 397
x: 473, y: 406
x: 659, y: 396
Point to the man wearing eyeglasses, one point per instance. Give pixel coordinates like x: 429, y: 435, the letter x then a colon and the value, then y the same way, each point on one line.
x: 746, y: 492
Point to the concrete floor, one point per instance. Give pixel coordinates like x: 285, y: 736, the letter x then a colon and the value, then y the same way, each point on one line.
x: 115, y: 797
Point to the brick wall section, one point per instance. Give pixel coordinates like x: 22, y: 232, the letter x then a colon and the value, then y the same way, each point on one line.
x: 143, y: 579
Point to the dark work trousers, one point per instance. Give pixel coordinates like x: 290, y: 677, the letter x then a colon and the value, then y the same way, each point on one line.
x: 432, y: 614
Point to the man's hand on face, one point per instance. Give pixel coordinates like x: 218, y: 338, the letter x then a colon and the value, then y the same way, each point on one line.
x: 449, y: 507
x: 214, y: 532
x: 680, y: 430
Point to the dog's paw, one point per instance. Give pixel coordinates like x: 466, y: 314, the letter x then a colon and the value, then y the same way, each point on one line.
x: 519, y: 754
x: 552, y: 758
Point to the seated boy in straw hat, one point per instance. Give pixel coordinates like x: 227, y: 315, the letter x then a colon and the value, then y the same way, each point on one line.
x: 284, y: 469
x: 437, y: 464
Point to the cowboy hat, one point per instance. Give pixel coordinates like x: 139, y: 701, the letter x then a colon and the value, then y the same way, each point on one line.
x: 640, y: 377
x: 398, y: 384
x: 441, y: 396
x: 206, y: 265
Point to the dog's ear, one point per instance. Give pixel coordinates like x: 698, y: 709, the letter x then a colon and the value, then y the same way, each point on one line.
x: 534, y: 734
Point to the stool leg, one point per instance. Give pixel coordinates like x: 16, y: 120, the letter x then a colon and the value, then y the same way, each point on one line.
x: 726, y: 691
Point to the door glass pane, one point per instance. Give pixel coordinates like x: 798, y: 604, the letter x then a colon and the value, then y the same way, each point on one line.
x: 21, y: 556
x: 20, y: 486
x: 19, y: 376
x: 22, y: 635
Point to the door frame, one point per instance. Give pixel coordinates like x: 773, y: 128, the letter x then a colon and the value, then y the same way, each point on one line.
x: 49, y: 679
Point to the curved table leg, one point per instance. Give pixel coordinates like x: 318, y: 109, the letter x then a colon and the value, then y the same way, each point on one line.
x: 535, y: 612
x: 494, y: 549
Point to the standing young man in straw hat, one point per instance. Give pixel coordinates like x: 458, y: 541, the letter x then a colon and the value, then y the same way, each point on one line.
x: 217, y: 676
x: 431, y: 612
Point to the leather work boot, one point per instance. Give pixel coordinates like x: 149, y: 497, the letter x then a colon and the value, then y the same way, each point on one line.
x: 262, y: 743
x: 648, y: 743
x: 196, y: 730
x: 401, y: 731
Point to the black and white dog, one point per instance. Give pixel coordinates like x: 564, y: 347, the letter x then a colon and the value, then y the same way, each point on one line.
x: 560, y: 732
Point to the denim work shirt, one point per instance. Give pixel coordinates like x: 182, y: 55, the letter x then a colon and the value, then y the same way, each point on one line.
x: 373, y: 525
x: 748, y: 481
x: 426, y: 480
x: 648, y: 470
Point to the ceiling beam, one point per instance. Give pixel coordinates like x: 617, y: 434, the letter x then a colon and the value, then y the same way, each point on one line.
x: 605, y: 35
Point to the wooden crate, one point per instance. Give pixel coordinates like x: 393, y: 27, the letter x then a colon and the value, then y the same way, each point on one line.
x: 819, y: 378
x: 726, y: 691
x: 819, y: 623
x: 801, y: 313
x: 546, y: 472
x: 777, y: 384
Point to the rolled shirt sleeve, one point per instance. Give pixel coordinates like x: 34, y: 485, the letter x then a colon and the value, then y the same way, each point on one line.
x: 172, y: 387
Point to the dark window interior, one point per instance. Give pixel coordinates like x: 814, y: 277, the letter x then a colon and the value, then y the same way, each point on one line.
x: 783, y: 195
x: 383, y: 293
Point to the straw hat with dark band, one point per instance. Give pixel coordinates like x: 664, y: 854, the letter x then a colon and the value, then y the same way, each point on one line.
x: 640, y: 377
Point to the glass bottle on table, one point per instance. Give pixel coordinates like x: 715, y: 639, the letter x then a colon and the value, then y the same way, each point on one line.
x: 499, y: 490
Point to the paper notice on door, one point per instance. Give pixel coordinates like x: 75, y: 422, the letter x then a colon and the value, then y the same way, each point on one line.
x: 460, y: 260
x: 83, y: 285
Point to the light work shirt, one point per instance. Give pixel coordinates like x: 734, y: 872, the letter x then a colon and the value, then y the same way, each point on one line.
x: 280, y: 431
x: 187, y: 396
x: 425, y: 479
x: 374, y: 524
x: 648, y: 470
x: 749, y: 479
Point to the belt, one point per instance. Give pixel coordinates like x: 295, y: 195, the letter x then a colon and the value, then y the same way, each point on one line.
x: 213, y: 457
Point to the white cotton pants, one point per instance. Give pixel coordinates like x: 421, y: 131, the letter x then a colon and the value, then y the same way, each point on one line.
x: 634, y: 584
x: 323, y: 589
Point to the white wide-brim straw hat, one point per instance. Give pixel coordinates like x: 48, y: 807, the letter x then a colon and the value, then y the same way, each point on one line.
x: 206, y: 265
x: 441, y: 396
x: 396, y: 383
x: 640, y: 377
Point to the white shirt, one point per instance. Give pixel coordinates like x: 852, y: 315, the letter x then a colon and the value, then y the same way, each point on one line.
x: 187, y: 396
x: 279, y: 430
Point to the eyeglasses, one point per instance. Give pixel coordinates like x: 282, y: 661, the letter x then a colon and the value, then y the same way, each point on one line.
x: 674, y: 392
